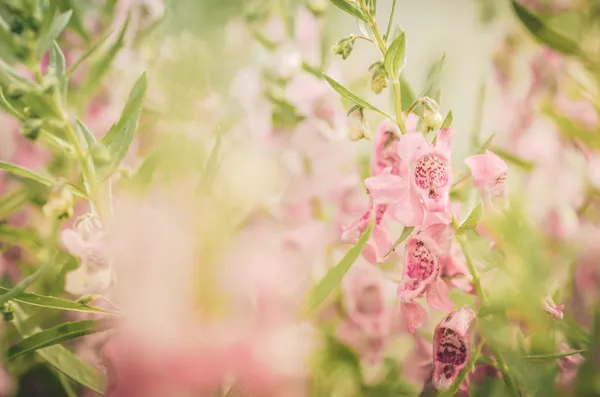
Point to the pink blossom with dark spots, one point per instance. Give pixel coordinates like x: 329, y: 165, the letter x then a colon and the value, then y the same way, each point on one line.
x: 451, y: 347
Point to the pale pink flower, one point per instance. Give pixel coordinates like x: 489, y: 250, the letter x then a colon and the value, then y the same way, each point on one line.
x: 556, y: 311
x: 568, y: 366
x: 451, y: 347
x: 489, y: 174
x: 364, y: 300
x: 87, y: 242
x: 582, y: 111
x: 414, y: 315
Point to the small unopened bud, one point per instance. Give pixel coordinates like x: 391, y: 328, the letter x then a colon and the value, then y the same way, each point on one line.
x: 432, y: 118
x: 318, y: 7
x: 49, y: 84
x: 86, y: 299
x: 356, y: 124
x: 344, y: 46
x: 60, y: 202
x: 88, y: 225
x: 31, y: 128
x: 8, y: 311
x: 379, y: 77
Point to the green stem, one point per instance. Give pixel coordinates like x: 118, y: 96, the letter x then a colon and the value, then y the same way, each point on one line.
x: 26, y: 282
x: 470, y: 263
x: 389, y: 26
x: 396, y: 81
x: 503, y: 368
x: 466, y: 370
x: 554, y: 355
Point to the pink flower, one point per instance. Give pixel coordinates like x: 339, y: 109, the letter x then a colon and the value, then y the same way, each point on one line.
x: 556, y: 311
x: 364, y: 300
x: 489, y: 174
x: 86, y: 241
x: 429, y: 169
x: 568, y: 366
x: 421, y: 275
x: 379, y: 241
x: 451, y: 347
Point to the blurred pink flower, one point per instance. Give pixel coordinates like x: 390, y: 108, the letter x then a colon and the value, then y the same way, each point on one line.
x: 568, y: 366
x: 451, y: 347
x: 87, y: 242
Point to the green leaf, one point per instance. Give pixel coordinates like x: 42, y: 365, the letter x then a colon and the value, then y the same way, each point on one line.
x: 486, y: 144
x: 26, y: 282
x: 77, y: 19
x: 433, y: 76
x: 25, y: 173
x: 88, y: 140
x: 406, y: 232
x: 58, y: 334
x: 408, y: 96
x: 8, y: 107
x: 210, y: 169
x: 372, y: 6
x: 89, y: 52
x: 394, y: 57
x: 63, y: 359
x: 472, y: 220
x: 119, y: 137
x: 332, y: 279
x: 448, y: 120
x: 56, y: 27
x: 51, y: 302
x: 18, y: 236
x: 10, y: 203
x: 545, y: 34
x: 350, y: 8
x: 57, y: 67
x: 514, y: 159
x: 99, y: 69
x: 346, y: 93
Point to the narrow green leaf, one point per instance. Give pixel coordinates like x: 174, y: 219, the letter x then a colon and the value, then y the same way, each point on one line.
x: 89, y: 52
x: 408, y: 96
x: 18, y: 236
x: 87, y: 138
x: 433, y: 76
x: 99, y: 69
x: 59, y: 334
x: 472, y: 220
x: 63, y: 359
x: 57, y: 67
x: 56, y: 27
x: 332, y: 279
x: 448, y: 120
x: 346, y: 93
x: 553, y: 356
x: 119, y: 137
x: 406, y: 232
x: 8, y: 107
x: 51, y: 302
x: 486, y: 144
x: 514, y: 159
x: 11, y: 76
x: 66, y: 384
x: 77, y: 19
x: 372, y: 6
x: 26, y: 282
x: 545, y: 34
x: 210, y: 169
x: 10, y: 203
x: 350, y: 8
x: 25, y: 173
x: 394, y: 57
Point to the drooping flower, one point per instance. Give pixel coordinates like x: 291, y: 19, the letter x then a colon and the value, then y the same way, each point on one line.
x: 86, y: 241
x: 421, y: 275
x: 451, y: 347
x: 489, y: 174
x: 568, y: 366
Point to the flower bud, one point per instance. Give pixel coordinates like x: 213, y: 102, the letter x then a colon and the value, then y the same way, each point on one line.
x: 87, y: 225
x: 379, y: 77
x: 356, y: 124
x: 432, y: 118
x: 60, y: 202
x: 344, y: 46
x: 8, y: 310
x: 317, y: 7
x: 31, y: 128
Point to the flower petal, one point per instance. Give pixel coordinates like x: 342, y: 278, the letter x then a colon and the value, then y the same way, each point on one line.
x: 386, y: 188
x: 73, y: 242
x: 414, y: 315
x: 412, y: 146
x: 437, y: 296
